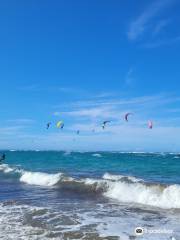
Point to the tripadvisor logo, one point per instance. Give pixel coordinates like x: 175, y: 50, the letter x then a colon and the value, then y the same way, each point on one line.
x: 139, y: 231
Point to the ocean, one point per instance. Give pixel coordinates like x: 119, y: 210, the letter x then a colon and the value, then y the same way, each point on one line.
x: 89, y: 195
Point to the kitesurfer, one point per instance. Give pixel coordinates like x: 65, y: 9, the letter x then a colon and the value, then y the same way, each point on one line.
x: 2, y: 157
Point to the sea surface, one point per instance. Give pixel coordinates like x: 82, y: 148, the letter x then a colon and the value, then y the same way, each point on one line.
x: 89, y: 195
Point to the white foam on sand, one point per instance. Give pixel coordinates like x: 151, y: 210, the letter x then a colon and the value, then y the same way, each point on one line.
x: 13, y: 227
x: 35, y: 223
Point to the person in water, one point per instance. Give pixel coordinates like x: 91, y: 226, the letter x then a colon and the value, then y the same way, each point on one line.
x: 2, y: 157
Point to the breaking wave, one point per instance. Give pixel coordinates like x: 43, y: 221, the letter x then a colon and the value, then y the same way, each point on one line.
x: 96, y: 155
x: 125, y: 189
x: 41, y: 179
x: 6, y: 169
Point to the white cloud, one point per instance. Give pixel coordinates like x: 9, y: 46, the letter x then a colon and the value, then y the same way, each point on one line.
x: 51, y: 88
x: 119, y: 135
x: 174, y: 110
x: 140, y: 25
x: 160, y: 25
x: 129, y: 79
x: 117, y: 138
x: 96, y: 112
x: 125, y: 103
x: 105, y: 95
x: 10, y: 130
x: 32, y: 87
x: 21, y: 121
x: 89, y: 115
x: 162, y: 42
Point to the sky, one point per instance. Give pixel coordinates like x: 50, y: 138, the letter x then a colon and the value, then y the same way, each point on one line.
x: 84, y: 62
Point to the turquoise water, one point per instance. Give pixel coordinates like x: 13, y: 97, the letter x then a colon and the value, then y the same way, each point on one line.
x: 89, y: 194
x: 157, y: 167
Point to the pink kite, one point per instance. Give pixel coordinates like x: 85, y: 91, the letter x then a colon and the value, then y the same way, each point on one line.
x: 150, y: 124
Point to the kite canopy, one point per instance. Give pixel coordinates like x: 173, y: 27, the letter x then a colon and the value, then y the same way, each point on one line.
x: 126, y: 116
x: 104, y: 124
x: 150, y: 124
x: 77, y: 132
x: 60, y: 124
x: 48, y: 125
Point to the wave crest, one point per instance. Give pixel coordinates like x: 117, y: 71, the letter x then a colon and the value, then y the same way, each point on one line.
x: 5, y: 168
x: 126, y: 189
x: 154, y: 195
x: 41, y: 179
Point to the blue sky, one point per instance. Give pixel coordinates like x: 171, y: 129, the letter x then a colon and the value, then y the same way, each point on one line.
x: 88, y: 61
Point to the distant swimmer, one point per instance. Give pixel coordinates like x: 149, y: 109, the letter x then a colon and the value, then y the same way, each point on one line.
x: 2, y: 157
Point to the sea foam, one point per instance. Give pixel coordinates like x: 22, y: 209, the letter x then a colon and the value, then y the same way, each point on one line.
x: 153, y: 195
x: 96, y: 155
x: 125, y: 189
x: 6, y: 168
x: 41, y: 179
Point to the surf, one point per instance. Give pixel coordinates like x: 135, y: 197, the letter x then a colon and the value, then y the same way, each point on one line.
x: 124, y: 189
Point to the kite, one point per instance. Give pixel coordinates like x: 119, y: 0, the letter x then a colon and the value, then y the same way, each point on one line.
x: 104, y: 124
x: 48, y: 125
x: 150, y: 124
x: 126, y: 116
x: 60, y: 124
